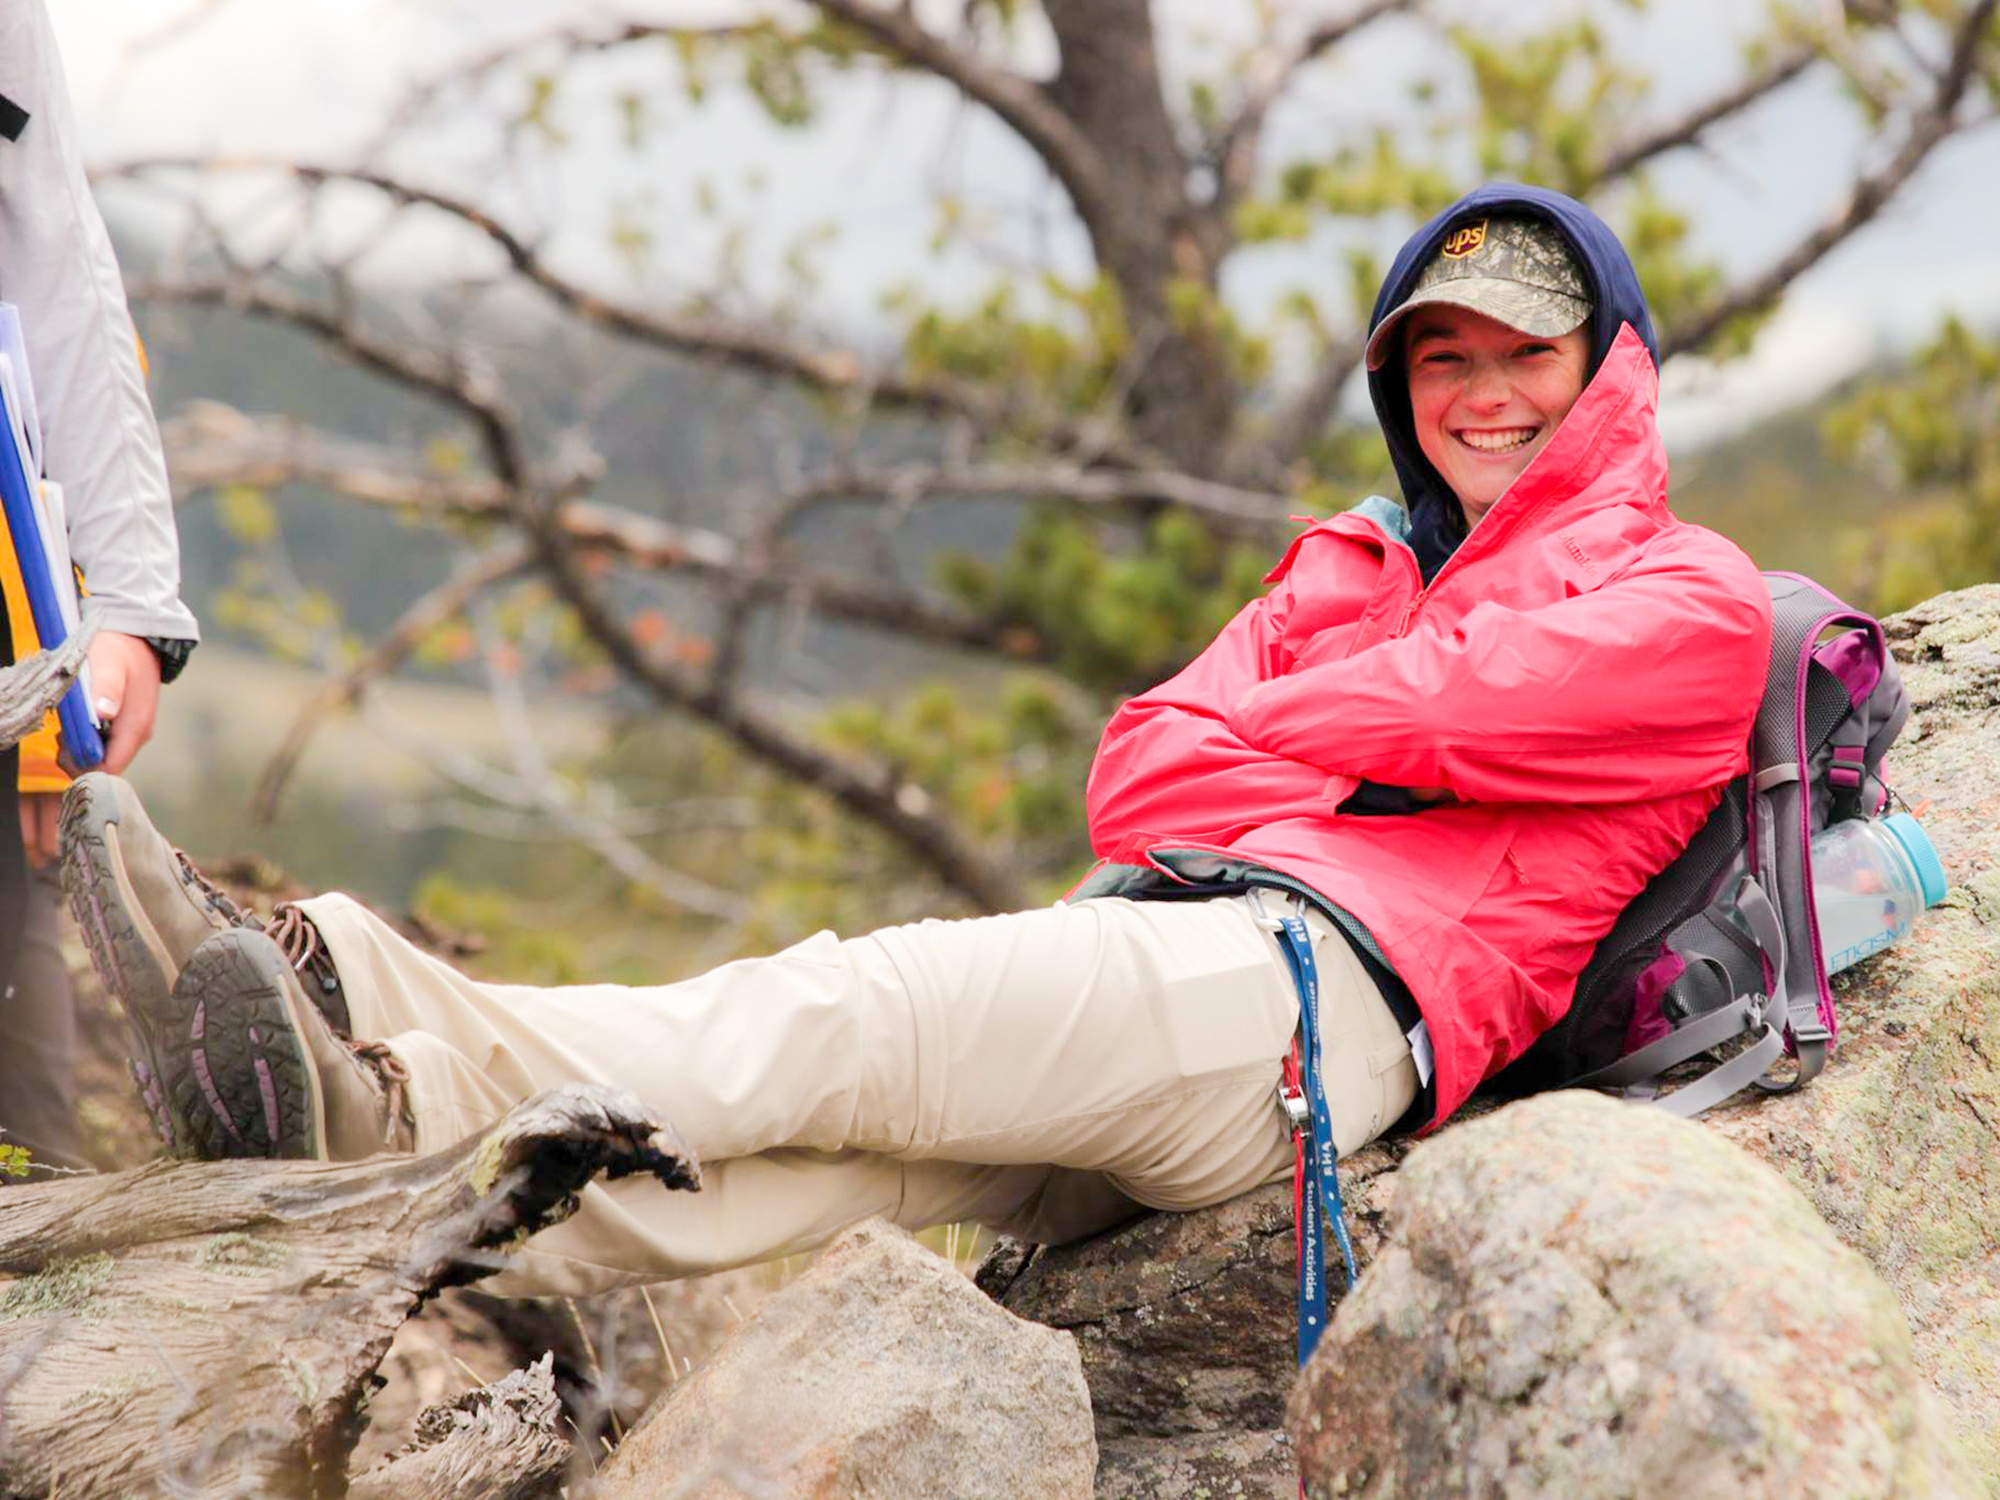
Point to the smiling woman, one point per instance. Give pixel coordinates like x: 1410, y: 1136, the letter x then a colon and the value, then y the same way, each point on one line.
x: 1485, y: 398
x: 1492, y: 341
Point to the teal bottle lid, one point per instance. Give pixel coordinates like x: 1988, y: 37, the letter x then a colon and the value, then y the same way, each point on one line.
x: 1923, y: 854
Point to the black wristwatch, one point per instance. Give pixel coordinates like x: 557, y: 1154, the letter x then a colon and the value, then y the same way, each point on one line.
x: 173, y: 654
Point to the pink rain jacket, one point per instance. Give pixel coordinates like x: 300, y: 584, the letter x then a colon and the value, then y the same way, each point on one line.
x: 1582, y: 676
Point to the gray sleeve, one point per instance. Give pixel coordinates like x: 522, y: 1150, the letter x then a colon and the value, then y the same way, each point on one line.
x: 56, y: 265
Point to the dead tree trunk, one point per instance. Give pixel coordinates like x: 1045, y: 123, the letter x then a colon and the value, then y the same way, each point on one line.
x: 210, y: 1329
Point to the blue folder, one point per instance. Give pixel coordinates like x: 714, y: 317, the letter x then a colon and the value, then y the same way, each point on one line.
x: 75, y: 721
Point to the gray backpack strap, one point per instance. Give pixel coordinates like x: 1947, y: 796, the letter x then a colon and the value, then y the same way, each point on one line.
x: 1763, y: 918
x: 1742, y: 1070
x: 1637, y: 1074
x: 1782, y: 811
x: 1642, y: 1069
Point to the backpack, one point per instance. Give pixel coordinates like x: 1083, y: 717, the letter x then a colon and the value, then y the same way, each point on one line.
x: 1723, y: 944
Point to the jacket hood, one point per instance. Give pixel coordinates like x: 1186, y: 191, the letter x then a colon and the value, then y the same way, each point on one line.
x: 1436, y: 523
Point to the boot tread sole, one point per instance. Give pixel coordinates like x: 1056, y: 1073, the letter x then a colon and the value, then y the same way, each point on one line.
x: 239, y: 1074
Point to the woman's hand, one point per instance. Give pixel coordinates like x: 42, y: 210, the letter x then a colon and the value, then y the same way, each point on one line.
x: 125, y: 684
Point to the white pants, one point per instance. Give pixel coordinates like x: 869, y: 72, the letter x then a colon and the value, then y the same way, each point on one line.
x: 1043, y: 1073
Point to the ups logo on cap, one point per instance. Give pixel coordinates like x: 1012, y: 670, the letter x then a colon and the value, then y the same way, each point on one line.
x: 1464, y: 240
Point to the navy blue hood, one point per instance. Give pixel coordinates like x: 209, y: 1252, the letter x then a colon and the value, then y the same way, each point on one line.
x: 1437, y: 525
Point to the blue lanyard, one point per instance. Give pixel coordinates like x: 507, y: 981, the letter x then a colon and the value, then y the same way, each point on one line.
x: 1320, y: 1203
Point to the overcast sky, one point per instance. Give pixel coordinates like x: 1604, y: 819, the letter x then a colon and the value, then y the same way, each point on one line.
x: 255, y: 76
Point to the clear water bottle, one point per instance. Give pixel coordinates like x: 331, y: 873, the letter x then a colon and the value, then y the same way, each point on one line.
x: 1871, y: 877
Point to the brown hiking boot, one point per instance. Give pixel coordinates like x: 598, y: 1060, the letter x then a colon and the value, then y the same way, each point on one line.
x: 250, y: 1067
x: 143, y: 909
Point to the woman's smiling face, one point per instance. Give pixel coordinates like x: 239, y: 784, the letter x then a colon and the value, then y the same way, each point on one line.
x: 1486, y: 398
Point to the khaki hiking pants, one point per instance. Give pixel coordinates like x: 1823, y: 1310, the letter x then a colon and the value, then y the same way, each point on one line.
x: 1043, y: 1073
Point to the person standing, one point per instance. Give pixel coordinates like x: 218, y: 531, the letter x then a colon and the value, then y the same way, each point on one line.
x: 102, y: 445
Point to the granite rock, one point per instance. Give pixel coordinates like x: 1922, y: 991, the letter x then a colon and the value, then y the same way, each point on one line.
x: 881, y: 1372
x: 1589, y: 1298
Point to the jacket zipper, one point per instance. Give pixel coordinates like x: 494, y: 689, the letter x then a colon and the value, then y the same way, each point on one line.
x: 1512, y: 521
x: 1425, y: 590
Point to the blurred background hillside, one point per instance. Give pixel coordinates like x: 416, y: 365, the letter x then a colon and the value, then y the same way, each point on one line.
x: 659, y: 478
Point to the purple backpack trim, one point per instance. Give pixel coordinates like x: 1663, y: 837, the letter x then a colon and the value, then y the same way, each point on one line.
x: 1856, y: 659
x: 1649, y: 1018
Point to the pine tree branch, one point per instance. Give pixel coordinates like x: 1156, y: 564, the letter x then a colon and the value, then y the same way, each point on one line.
x: 536, y: 783
x: 1305, y: 415
x: 390, y: 650
x: 739, y: 344
x: 211, y: 445
x: 1237, y: 144
x: 1302, y: 418
x: 209, y: 450
x: 1020, y: 103
x: 1231, y: 509
x: 571, y: 41
x: 417, y: 369
x: 893, y: 30
x: 1669, y: 135
x: 877, y: 795
x: 1871, y: 193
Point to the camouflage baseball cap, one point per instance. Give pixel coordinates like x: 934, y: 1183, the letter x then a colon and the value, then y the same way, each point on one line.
x: 1518, y: 271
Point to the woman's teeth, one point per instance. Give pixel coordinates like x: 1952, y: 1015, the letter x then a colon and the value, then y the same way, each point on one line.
x: 1499, y: 442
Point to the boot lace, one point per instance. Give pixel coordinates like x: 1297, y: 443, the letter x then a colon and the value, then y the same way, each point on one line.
x: 217, y: 898
x: 393, y: 1075
x: 299, y: 940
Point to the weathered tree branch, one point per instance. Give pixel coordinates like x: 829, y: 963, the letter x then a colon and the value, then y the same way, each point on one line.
x: 1669, y: 135
x: 570, y: 40
x: 538, y: 782
x: 211, y: 445
x: 215, y: 447
x: 1304, y: 416
x: 1937, y: 121
x: 879, y: 796
x: 390, y: 650
x: 1238, y: 142
x: 496, y: 1442
x: 1069, y: 152
x: 739, y: 344
x: 1229, y: 508
x: 589, y: 816
x: 892, y: 29
x: 408, y: 365
x: 517, y: 825
x: 899, y: 807
x: 210, y: 1329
